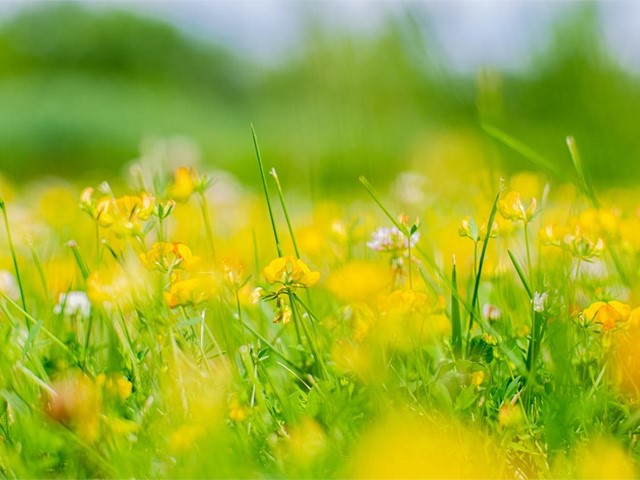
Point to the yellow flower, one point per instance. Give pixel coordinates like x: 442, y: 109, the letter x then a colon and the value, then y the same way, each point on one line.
x: 190, y: 292
x: 359, y: 281
x: 608, y: 314
x: 512, y: 208
x: 125, y: 215
x: 290, y: 271
x: 165, y: 256
x: 184, y: 184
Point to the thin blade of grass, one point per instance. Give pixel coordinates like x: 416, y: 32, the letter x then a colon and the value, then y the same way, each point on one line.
x: 520, y: 273
x: 527, y: 152
x: 456, y: 321
x: 485, y: 244
x: 266, y: 190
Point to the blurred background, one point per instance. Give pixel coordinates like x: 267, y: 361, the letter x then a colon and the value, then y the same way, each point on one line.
x: 334, y: 89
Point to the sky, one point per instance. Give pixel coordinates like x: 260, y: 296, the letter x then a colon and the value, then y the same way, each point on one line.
x: 470, y: 34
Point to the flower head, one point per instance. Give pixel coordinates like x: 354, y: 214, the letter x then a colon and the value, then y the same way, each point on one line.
x: 290, y: 271
x: 191, y: 291
x: 607, y: 314
x: 539, y: 301
x: 512, y: 208
x: 391, y: 240
x: 165, y: 256
x: 73, y: 304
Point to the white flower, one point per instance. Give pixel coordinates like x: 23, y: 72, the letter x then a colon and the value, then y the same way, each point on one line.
x: 9, y: 286
x: 391, y: 240
x: 539, y: 301
x: 72, y: 304
x: 491, y: 312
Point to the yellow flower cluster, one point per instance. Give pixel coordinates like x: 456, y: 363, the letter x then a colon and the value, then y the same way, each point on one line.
x: 512, y: 208
x: 165, y: 257
x: 608, y: 314
x: 125, y: 215
x: 291, y: 272
x: 573, y: 241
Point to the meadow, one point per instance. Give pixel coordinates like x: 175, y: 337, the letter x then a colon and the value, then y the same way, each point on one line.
x: 408, y: 272
x: 176, y: 324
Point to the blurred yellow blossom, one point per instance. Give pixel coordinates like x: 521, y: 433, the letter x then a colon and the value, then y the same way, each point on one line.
x: 512, y: 208
x: 191, y: 291
x: 607, y: 314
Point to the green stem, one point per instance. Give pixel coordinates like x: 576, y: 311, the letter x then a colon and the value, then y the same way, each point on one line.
x: 207, y: 224
x: 310, y: 340
x: 14, y: 257
x: 266, y: 191
x: 485, y: 244
x: 274, y: 174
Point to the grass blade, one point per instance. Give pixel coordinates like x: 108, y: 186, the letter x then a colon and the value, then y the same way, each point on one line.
x: 456, y: 321
x: 485, y: 244
x: 266, y: 190
x: 520, y: 273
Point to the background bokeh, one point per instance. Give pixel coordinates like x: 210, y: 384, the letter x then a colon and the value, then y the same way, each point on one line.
x: 335, y: 90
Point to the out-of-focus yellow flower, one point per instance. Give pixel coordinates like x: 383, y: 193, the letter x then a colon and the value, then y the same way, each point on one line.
x: 237, y: 411
x: 573, y: 241
x: 191, y: 291
x: 468, y: 228
x: 76, y: 404
x: 124, y: 215
x: 512, y: 208
x: 477, y: 378
x: 607, y: 314
x: 184, y: 184
x: 306, y: 440
x: 409, y: 318
x: 290, y: 271
x: 165, y: 256
x: 359, y: 281
x: 115, y: 385
x: 411, y: 447
x: 604, y: 459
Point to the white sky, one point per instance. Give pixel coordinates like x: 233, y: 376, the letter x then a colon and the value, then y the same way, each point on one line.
x: 469, y: 34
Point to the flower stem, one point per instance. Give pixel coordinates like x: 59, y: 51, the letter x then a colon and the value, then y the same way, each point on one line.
x: 274, y: 174
x: 266, y: 190
x: 14, y: 257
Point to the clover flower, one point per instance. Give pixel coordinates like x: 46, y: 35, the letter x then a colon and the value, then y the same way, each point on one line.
x: 73, y: 304
x: 391, y: 239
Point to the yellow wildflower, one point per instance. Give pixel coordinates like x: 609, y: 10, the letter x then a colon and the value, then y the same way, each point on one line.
x: 184, y: 184
x: 608, y: 314
x: 290, y: 271
x: 190, y: 292
x: 512, y: 208
x: 165, y: 256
